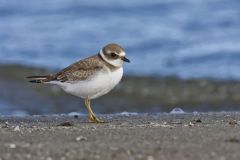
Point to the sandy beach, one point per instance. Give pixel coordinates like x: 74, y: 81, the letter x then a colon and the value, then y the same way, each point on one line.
x: 145, y: 136
x: 177, y: 99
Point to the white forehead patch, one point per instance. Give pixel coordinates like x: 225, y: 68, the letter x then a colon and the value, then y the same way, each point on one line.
x: 122, y: 54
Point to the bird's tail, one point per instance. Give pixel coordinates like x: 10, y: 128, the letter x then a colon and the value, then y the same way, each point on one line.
x: 38, y: 79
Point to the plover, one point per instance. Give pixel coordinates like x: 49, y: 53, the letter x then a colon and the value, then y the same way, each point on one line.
x: 90, y: 78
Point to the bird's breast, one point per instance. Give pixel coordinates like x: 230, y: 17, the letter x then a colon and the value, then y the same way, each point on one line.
x: 116, y: 76
x: 98, y: 85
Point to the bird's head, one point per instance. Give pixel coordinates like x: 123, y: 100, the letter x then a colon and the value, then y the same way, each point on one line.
x: 114, y: 54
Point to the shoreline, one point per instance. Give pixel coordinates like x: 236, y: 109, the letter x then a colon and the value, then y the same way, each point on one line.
x: 146, y: 136
x: 132, y: 95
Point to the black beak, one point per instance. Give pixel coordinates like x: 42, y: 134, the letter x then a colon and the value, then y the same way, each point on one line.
x: 125, y: 59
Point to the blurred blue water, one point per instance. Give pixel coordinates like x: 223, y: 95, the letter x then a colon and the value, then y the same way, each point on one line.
x: 191, y: 38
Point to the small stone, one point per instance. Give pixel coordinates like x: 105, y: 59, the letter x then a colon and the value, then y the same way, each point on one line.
x: 81, y: 138
x: 232, y: 122
x: 190, y: 124
x: 5, y: 125
x: 198, y: 121
x: 164, y: 123
x: 12, y: 146
x: 75, y: 116
x: 233, y: 140
x: 16, y: 129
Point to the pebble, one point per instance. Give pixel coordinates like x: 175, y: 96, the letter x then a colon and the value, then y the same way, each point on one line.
x: 16, y: 129
x: 75, y: 116
x: 198, y: 121
x: 12, y: 146
x: 6, y: 125
x: 232, y: 122
x: 190, y: 124
x: 81, y: 138
x: 233, y: 140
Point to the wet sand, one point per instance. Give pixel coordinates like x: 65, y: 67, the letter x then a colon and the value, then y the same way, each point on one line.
x: 146, y: 136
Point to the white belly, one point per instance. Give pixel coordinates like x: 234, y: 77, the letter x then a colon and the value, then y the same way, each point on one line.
x: 94, y: 87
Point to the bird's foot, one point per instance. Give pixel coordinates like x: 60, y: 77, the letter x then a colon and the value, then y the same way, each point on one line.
x: 94, y: 119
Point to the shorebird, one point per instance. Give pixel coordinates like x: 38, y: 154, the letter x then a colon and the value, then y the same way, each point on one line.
x: 90, y: 78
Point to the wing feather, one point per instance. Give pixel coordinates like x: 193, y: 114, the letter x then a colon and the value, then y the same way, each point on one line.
x: 80, y: 70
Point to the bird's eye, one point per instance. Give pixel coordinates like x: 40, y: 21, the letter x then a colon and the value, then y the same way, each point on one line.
x: 113, y: 54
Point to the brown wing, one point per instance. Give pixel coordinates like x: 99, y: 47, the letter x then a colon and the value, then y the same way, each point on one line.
x: 80, y: 70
